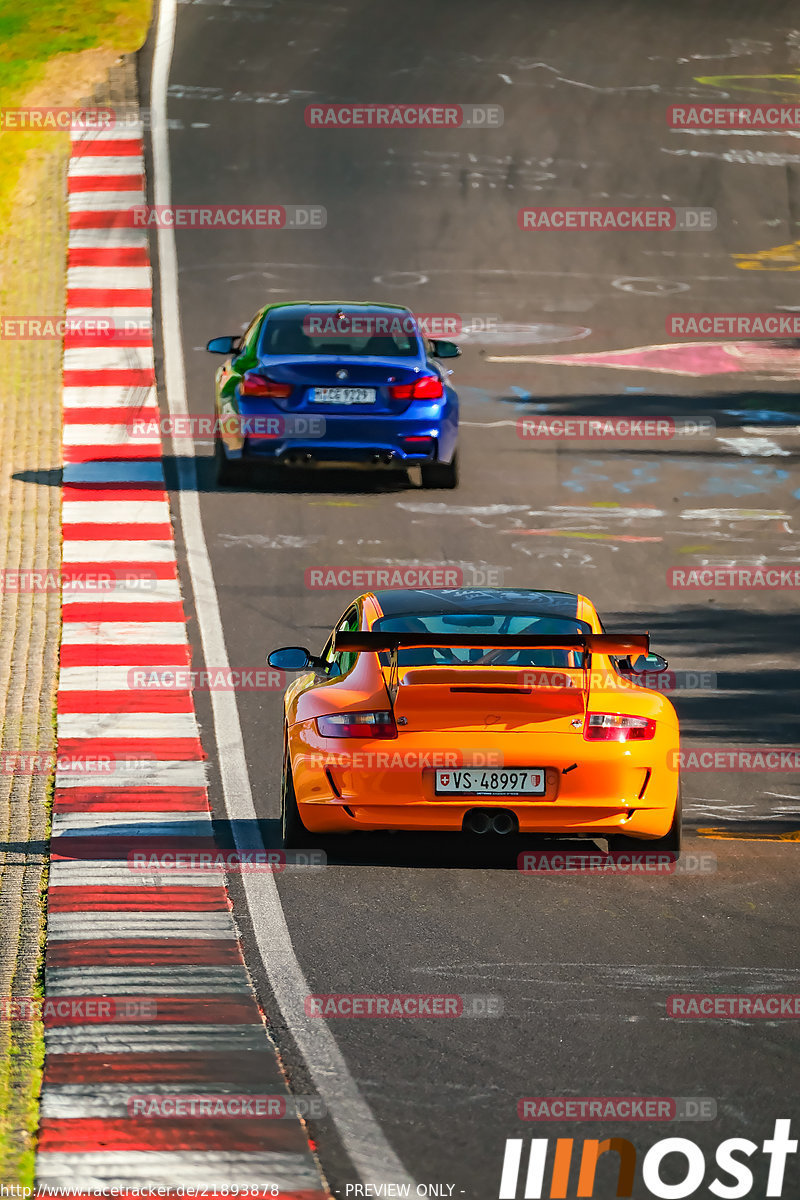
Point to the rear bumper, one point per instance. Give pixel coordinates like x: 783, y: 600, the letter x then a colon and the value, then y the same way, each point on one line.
x: 418, y: 817
x: 387, y: 785
x: 358, y: 439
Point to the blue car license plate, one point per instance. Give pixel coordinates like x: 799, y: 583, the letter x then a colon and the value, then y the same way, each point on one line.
x: 343, y: 395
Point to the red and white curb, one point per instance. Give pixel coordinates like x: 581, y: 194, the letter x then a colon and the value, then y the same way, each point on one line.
x: 166, y: 941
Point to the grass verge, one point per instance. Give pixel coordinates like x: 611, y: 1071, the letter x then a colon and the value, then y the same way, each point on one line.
x: 50, y: 54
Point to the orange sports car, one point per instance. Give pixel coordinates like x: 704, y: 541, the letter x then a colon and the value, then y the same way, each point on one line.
x: 486, y: 710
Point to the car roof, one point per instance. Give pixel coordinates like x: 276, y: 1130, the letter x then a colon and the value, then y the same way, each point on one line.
x: 305, y: 306
x: 514, y: 601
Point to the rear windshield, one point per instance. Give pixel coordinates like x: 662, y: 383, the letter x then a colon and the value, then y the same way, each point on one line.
x: 489, y: 623
x: 385, y: 335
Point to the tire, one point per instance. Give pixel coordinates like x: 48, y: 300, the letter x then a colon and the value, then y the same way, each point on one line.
x: 670, y: 843
x: 293, y: 831
x: 440, y: 475
x: 228, y: 474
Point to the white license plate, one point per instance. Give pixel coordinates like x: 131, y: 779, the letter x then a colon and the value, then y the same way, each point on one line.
x: 343, y: 395
x: 476, y: 781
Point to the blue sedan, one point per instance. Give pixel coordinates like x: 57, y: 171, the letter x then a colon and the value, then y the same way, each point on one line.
x: 332, y: 385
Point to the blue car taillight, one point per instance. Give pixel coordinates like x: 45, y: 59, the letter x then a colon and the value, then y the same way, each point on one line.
x: 254, y: 384
x: 427, y: 387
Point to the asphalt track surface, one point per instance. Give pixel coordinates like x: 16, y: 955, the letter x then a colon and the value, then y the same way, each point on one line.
x: 428, y: 218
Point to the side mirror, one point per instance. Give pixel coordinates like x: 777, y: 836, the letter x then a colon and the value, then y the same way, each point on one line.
x: 224, y: 345
x: 648, y: 662
x: 441, y: 349
x: 290, y: 658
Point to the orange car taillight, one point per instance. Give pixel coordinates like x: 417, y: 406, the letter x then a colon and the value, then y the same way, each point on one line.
x: 427, y: 387
x: 259, y: 385
x: 611, y: 727
x: 357, y: 724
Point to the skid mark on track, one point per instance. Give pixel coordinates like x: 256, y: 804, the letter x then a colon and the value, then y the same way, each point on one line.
x: 263, y: 541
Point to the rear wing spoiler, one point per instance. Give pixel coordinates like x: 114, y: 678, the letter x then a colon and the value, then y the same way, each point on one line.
x: 617, y: 644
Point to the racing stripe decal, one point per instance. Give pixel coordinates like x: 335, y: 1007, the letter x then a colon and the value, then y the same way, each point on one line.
x: 146, y: 991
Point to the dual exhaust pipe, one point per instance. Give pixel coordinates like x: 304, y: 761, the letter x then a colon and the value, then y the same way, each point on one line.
x: 303, y: 457
x: 487, y: 820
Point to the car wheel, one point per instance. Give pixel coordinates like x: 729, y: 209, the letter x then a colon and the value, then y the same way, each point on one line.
x: 227, y: 473
x: 669, y: 843
x: 293, y: 831
x: 440, y: 475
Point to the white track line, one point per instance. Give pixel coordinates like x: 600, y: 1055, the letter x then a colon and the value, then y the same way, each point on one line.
x: 144, y: 772
x: 91, y: 926
x: 96, y: 678
x: 118, y: 633
x: 83, y: 239
x: 111, y: 358
x: 106, y: 550
x: 127, y: 981
x: 127, y: 725
x: 362, y: 1136
x: 100, y: 1170
x: 107, y: 164
x: 109, y: 396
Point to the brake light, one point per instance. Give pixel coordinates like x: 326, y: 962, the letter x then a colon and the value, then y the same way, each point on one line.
x: 612, y: 727
x: 427, y: 387
x: 357, y: 724
x: 259, y: 385
x: 419, y: 445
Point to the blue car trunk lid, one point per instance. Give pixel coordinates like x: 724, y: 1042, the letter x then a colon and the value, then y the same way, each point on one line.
x: 318, y: 371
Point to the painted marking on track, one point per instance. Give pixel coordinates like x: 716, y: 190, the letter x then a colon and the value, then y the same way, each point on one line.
x: 335, y: 504
x: 729, y: 835
x: 777, y: 258
x: 579, y: 533
x: 693, y: 359
x: 787, y: 86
